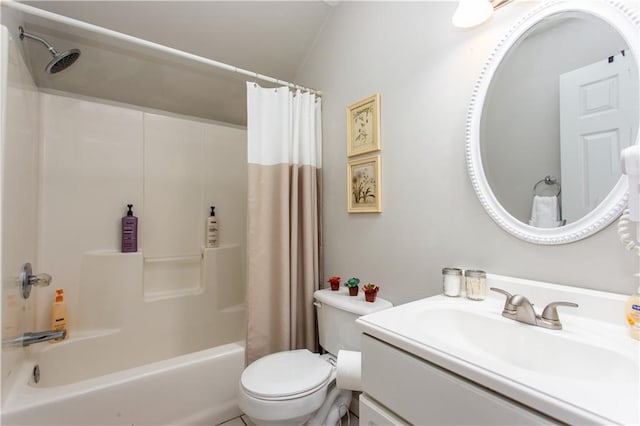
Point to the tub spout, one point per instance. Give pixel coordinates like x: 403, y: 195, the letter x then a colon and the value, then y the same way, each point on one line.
x: 30, y: 338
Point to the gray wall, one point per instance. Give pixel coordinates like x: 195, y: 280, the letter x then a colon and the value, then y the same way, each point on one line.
x: 425, y: 69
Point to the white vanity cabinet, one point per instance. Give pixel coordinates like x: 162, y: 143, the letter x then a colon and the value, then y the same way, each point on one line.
x: 399, y: 388
x: 449, y: 360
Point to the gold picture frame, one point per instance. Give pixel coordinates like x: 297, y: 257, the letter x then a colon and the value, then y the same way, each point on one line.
x: 363, y: 126
x: 364, y: 191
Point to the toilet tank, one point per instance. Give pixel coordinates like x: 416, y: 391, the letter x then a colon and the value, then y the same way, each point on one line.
x: 337, y: 314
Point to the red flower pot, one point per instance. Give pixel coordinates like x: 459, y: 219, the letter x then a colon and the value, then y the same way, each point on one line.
x: 370, y: 297
x: 335, y: 286
x: 353, y: 291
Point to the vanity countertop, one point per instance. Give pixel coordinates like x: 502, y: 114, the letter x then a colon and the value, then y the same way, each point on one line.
x: 586, y: 373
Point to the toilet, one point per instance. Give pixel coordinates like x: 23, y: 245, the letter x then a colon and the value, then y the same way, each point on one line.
x: 298, y: 387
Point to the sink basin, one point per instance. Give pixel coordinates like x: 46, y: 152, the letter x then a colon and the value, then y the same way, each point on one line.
x: 586, y: 373
x: 549, y: 352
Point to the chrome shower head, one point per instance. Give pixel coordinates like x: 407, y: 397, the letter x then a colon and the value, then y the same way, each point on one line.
x: 61, y: 60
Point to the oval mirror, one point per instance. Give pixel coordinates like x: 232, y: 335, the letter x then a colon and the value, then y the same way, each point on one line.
x: 555, y: 104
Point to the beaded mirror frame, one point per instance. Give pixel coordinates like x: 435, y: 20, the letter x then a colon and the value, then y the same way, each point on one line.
x: 626, y: 22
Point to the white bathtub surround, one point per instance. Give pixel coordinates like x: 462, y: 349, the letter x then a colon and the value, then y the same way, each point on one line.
x: 98, y: 157
x: 155, y: 328
x: 171, y: 392
x: 126, y: 311
x: 283, y: 236
x: 189, y: 166
x: 19, y: 176
x: 133, y: 353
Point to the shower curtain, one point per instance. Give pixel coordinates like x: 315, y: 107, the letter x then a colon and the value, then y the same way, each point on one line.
x: 283, y: 238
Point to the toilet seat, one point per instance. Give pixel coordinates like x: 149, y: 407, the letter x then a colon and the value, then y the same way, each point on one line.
x: 286, y: 375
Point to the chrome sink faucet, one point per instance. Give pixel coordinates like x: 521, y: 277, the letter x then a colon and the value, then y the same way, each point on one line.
x: 518, y: 308
x: 29, y: 338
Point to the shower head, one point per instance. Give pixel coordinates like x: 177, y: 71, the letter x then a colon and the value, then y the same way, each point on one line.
x: 61, y: 60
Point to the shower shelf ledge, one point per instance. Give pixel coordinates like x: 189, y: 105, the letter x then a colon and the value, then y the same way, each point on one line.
x: 156, y: 296
x: 180, y: 258
x: 186, y: 258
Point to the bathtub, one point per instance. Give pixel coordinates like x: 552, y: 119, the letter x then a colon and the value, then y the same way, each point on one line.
x: 139, y: 358
x: 197, y: 388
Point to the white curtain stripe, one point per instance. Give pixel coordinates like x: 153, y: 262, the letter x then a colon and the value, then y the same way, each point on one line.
x: 292, y: 121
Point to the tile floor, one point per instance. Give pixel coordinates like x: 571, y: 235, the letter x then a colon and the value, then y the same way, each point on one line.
x: 245, y: 421
x: 238, y: 421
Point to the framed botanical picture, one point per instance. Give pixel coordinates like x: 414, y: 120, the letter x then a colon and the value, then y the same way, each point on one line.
x: 363, y: 126
x: 364, y: 185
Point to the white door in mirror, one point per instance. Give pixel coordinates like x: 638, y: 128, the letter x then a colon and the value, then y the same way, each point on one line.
x: 597, y: 119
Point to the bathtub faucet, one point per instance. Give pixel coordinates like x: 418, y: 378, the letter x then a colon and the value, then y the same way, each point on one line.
x: 30, y: 338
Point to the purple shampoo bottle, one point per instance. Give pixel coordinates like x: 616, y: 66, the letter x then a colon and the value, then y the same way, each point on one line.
x: 129, y: 232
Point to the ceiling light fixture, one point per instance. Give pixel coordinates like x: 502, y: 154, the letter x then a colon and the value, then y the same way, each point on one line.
x: 474, y: 12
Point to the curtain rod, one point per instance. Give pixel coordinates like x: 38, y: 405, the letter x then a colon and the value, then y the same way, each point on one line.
x: 50, y: 16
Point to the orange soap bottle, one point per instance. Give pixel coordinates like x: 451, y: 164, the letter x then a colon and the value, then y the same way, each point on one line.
x: 59, y: 318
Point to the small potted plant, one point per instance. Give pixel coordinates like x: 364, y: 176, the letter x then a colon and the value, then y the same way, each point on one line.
x: 370, y: 292
x: 335, y: 283
x: 352, y: 285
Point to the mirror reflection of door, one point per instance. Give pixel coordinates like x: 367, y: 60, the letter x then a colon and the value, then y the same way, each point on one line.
x: 598, y: 109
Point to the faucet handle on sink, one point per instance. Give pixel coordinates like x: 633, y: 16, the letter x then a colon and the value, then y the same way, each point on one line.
x: 508, y: 306
x: 550, y: 314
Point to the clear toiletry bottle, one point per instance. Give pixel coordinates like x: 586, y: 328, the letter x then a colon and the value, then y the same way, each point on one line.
x: 451, y: 281
x: 129, y: 232
x: 212, y: 230
x: 475, y: 284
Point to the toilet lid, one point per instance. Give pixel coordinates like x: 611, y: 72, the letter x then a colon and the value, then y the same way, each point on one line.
x: 285, y: 374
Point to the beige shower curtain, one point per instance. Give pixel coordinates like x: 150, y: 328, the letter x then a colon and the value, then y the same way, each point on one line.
x: 283, y: 238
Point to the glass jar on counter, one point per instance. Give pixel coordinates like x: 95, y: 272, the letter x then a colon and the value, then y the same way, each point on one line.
x: 475, y: 284
x: 451, y: 281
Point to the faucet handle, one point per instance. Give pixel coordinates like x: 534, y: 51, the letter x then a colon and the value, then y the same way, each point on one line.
x: 550, y: 313
x: 40, y: 280
x: 508, y: 306
x: 28, y: 280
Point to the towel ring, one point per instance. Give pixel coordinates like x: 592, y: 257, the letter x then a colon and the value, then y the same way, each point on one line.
x: 551, y: 187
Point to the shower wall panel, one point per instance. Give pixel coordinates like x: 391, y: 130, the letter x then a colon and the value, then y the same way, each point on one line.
x: 91, y: 168
x: 19, y: 178
x: 188, y: 167
x: 98, y: 157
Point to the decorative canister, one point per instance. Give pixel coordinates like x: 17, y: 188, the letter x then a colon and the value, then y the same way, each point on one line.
x: 475, y: 284
x: 451, y: 281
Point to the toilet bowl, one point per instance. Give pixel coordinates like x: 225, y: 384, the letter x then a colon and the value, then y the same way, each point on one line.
x: 288, y: 388
x: 299, y: 387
